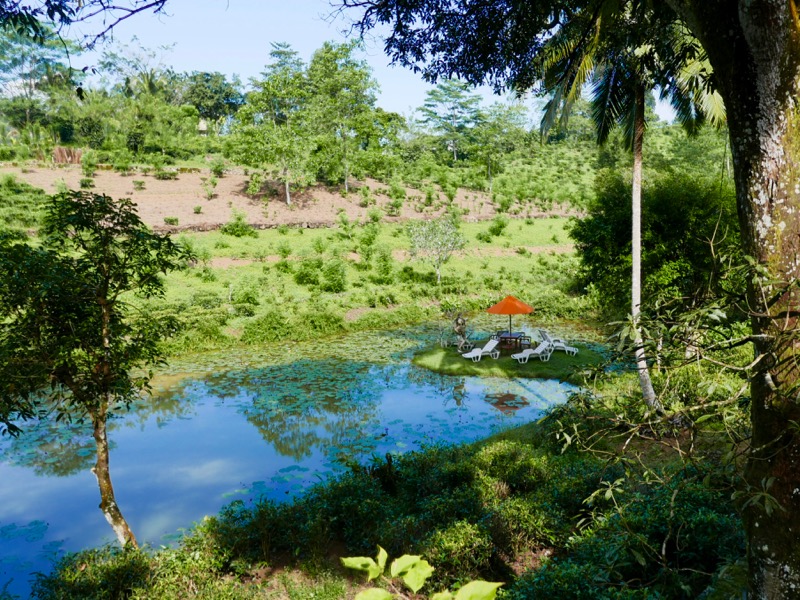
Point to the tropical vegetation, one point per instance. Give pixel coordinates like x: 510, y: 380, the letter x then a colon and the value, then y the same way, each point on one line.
x: 689, y: 495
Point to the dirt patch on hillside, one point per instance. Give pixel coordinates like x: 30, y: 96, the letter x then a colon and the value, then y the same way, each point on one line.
x: 184, y: 199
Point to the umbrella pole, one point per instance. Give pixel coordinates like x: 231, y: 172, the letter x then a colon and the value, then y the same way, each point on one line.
x: 509, y: 324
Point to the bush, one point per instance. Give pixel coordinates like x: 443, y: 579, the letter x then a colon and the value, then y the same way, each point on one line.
x: 498, y: 225
x: 107, y: 572
x: 171, y: 220
x: 397, y: 191
x: 86, y: 183
x: 322, y: 323
x: 7, y: 153
x: 651, y: 538
x: 218, y: 168
x: 271, y: 326
x: 384, y: 266
x: 122, y: 162
x: 21, y: 205
x: 238, y: 227
x: 308, y: 271
x: 255, y: 183
x: 393, y: 208
x: 284, y: 250
x: 460, y: 552
x: 334, y: 276
x: 164, y: 175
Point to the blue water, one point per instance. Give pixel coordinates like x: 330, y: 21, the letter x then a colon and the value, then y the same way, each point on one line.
x: 270, y: 430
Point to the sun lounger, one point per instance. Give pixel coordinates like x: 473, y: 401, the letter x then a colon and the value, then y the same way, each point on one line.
x: 490, y: 349
x: 558, y: 343
x: 542, y: 352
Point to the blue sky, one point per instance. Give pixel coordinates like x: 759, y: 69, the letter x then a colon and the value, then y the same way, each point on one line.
x: 234, y: 37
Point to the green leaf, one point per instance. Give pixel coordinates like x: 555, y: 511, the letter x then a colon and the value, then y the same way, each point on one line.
x: 639, y: 558
x: 382, y: 556
x: 442, y: 596
x: 363, y: 563
x: 478, y: 590
x: 412, y: 570
x: 402, y: 564
x: 373, y: 594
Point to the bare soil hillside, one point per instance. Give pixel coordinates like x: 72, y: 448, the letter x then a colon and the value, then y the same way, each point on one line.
x: 315, y: 207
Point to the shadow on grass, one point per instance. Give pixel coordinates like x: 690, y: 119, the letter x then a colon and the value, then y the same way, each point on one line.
x: 560, y: 366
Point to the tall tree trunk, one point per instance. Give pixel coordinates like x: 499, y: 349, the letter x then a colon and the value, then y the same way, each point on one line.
x: 648, y: 393
x: 286, y: 186
x: 754, y: 48
x: 108, y: 502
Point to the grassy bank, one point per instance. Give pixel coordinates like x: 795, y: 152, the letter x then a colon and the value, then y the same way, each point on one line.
x: 296, y: 284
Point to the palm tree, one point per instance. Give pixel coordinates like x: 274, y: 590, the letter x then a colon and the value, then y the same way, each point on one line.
x: 610, y: 50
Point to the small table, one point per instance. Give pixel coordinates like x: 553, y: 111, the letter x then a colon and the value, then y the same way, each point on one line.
x: 513, y: 340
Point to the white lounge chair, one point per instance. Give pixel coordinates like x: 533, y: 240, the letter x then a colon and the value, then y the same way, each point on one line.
x: 542, y: 352
x: 490, y: 349
x: 558, y: 343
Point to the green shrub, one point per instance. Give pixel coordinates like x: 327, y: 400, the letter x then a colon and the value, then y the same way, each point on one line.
x: 171, y: 220
x: 218, y: 168
x: 397, y: 191
x: 308, y: 271
x: 459, y: 552
x: 89, y: 164
x: 367, y: 198
x: 498, y: 225
x: 122, y: 162
x: 209, y: 185
x: 284, y: 250
x: 322, y: 322
x: 7, y: 153
x: 640, y: 550
x: 334, y: 276
x: 245, y: 293
x: 86, y: 183
x: 269, y: 327
x: 393, y: 208
x: 206, y: 299
x: 384, y: 266
x: 255, y: 183
x: 198, y: 209
x: 107, y: 572
x: 519, y: 523
x: 238, y: 227
x: 164, y: 175
x: 282, y: 266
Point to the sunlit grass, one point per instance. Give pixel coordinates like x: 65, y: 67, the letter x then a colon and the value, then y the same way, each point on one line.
x: 560, y: 366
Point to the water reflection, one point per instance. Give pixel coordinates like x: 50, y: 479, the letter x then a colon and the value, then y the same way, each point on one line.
x: 271, y: 426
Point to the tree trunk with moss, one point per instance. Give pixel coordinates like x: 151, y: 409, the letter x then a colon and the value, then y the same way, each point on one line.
x: 754, y: 48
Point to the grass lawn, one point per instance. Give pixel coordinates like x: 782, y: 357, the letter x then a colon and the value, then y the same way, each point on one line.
x: 560, y: 366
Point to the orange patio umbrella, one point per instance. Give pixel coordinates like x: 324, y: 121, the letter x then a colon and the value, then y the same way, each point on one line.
x: 510, y: 306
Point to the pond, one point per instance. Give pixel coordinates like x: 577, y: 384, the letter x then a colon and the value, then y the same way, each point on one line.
x: 234, y: 426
